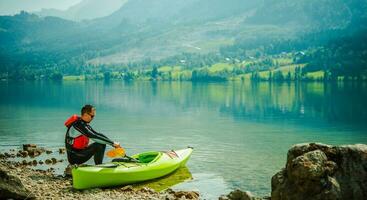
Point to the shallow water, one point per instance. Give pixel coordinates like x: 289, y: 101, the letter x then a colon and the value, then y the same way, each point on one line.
x: 240, y: 131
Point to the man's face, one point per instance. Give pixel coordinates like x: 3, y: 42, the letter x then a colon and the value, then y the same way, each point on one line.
x: 91, y: 115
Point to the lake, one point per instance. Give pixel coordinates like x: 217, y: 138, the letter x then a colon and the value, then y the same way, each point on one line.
x: 240, y: 131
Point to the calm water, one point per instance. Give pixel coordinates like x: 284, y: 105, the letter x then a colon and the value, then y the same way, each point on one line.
x: 241, y: 131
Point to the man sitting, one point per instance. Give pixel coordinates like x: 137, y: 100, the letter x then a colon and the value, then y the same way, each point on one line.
x: 77, y: 139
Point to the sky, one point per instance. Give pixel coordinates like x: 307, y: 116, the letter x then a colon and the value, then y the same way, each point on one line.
x: 11, y: 7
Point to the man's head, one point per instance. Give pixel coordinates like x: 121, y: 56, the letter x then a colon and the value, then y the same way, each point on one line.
x: 88, y: 112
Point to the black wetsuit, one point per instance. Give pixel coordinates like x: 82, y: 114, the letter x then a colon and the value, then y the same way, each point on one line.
x: 79, y: 156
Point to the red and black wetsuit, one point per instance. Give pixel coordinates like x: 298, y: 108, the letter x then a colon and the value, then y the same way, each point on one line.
x: 79, y: 152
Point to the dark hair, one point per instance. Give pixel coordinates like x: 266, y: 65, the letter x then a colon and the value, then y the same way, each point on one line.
x: 87, y: 109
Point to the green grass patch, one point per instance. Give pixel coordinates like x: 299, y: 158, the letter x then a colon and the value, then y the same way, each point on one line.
x: 315, y: 75
x: 220, y: 67
x: 73, y: 78
x: 287, y: 68
x: 283, y: 61
x: 165, y: 69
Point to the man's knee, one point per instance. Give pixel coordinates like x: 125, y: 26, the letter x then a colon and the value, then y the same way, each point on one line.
x: 100, y: 146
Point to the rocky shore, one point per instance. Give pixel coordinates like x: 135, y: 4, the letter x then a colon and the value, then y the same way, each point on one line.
x: 20, y: 180
x: 312, y: 171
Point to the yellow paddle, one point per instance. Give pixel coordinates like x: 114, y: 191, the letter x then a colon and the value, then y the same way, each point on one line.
x: 117, y: 152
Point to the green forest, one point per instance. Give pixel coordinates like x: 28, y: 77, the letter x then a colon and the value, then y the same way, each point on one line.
x: 296, y: 46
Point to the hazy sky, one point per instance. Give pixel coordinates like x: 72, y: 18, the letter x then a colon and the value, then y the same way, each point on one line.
x: 9, y: 7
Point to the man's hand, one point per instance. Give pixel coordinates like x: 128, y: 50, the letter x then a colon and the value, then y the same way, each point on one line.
x: 116, y: 145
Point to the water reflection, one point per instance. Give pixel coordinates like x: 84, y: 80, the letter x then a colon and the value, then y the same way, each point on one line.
x: 179, y: 176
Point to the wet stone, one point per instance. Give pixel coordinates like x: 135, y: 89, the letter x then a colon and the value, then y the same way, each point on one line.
x: 27, y: 147
x: 62, y: 150
x: 34, y: 162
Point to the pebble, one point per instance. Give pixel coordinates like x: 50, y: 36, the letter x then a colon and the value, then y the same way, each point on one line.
x: 62, y: 150
x: 24, y: 153
x: 34, y: 162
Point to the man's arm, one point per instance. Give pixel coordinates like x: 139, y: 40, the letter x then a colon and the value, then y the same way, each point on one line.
x: 90, y: 133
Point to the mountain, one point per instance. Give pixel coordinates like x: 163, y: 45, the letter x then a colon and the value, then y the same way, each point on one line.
x: 85, y: 10
x: 311, y: 14
x: 141, y: 30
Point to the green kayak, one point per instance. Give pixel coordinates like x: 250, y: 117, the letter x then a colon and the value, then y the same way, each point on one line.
x: 151, y: 165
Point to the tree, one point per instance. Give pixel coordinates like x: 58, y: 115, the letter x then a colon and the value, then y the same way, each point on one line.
x: 154, y: 73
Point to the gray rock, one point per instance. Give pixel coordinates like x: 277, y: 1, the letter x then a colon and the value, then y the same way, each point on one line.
x: 12, y: 188
x: 319, y: 171
x: 239, y: 195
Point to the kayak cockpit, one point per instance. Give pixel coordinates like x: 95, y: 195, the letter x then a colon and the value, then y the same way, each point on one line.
x: 148, y: 157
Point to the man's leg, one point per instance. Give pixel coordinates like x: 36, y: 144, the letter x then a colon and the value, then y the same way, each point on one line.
x: 82, y: 156
x: 99, y: 152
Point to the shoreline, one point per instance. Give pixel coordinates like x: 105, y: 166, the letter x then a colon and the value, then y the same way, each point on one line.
x: 26, y: 182
x: 312, y: 171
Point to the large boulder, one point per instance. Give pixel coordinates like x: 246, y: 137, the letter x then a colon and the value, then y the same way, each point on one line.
x: 12, y: 188
x: 319, y: 171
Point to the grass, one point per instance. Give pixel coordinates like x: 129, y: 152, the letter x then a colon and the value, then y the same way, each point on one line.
x: 73, y: 78
x: 315, y: 75
x: 283, y: 61
x: 220, y: 67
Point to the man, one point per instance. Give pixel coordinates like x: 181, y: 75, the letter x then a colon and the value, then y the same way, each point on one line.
x: 77, y: 139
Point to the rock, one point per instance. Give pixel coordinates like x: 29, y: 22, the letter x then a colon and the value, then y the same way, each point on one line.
x: 127, y: 188
x: 24, y: 153
x: 319, y: 171
x: 53, y: 160
x: 48, y: 151
x: 27, y: 147
x: 238, y: 195
x: 67, y: 171
x: 12, y: 188
x: 34, y: 162
x: 2, y: 156
x: 169, y: 191
x: 147, y: 190
x: 40, y: 162
x: 187, y: 194
x: 48, y: 161
x: 35, y: 152
x: 62, y: 150
x: 24, y: 162
x: 7, y: 155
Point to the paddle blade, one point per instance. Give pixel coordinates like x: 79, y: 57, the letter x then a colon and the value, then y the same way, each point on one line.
x: 118, y: 152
